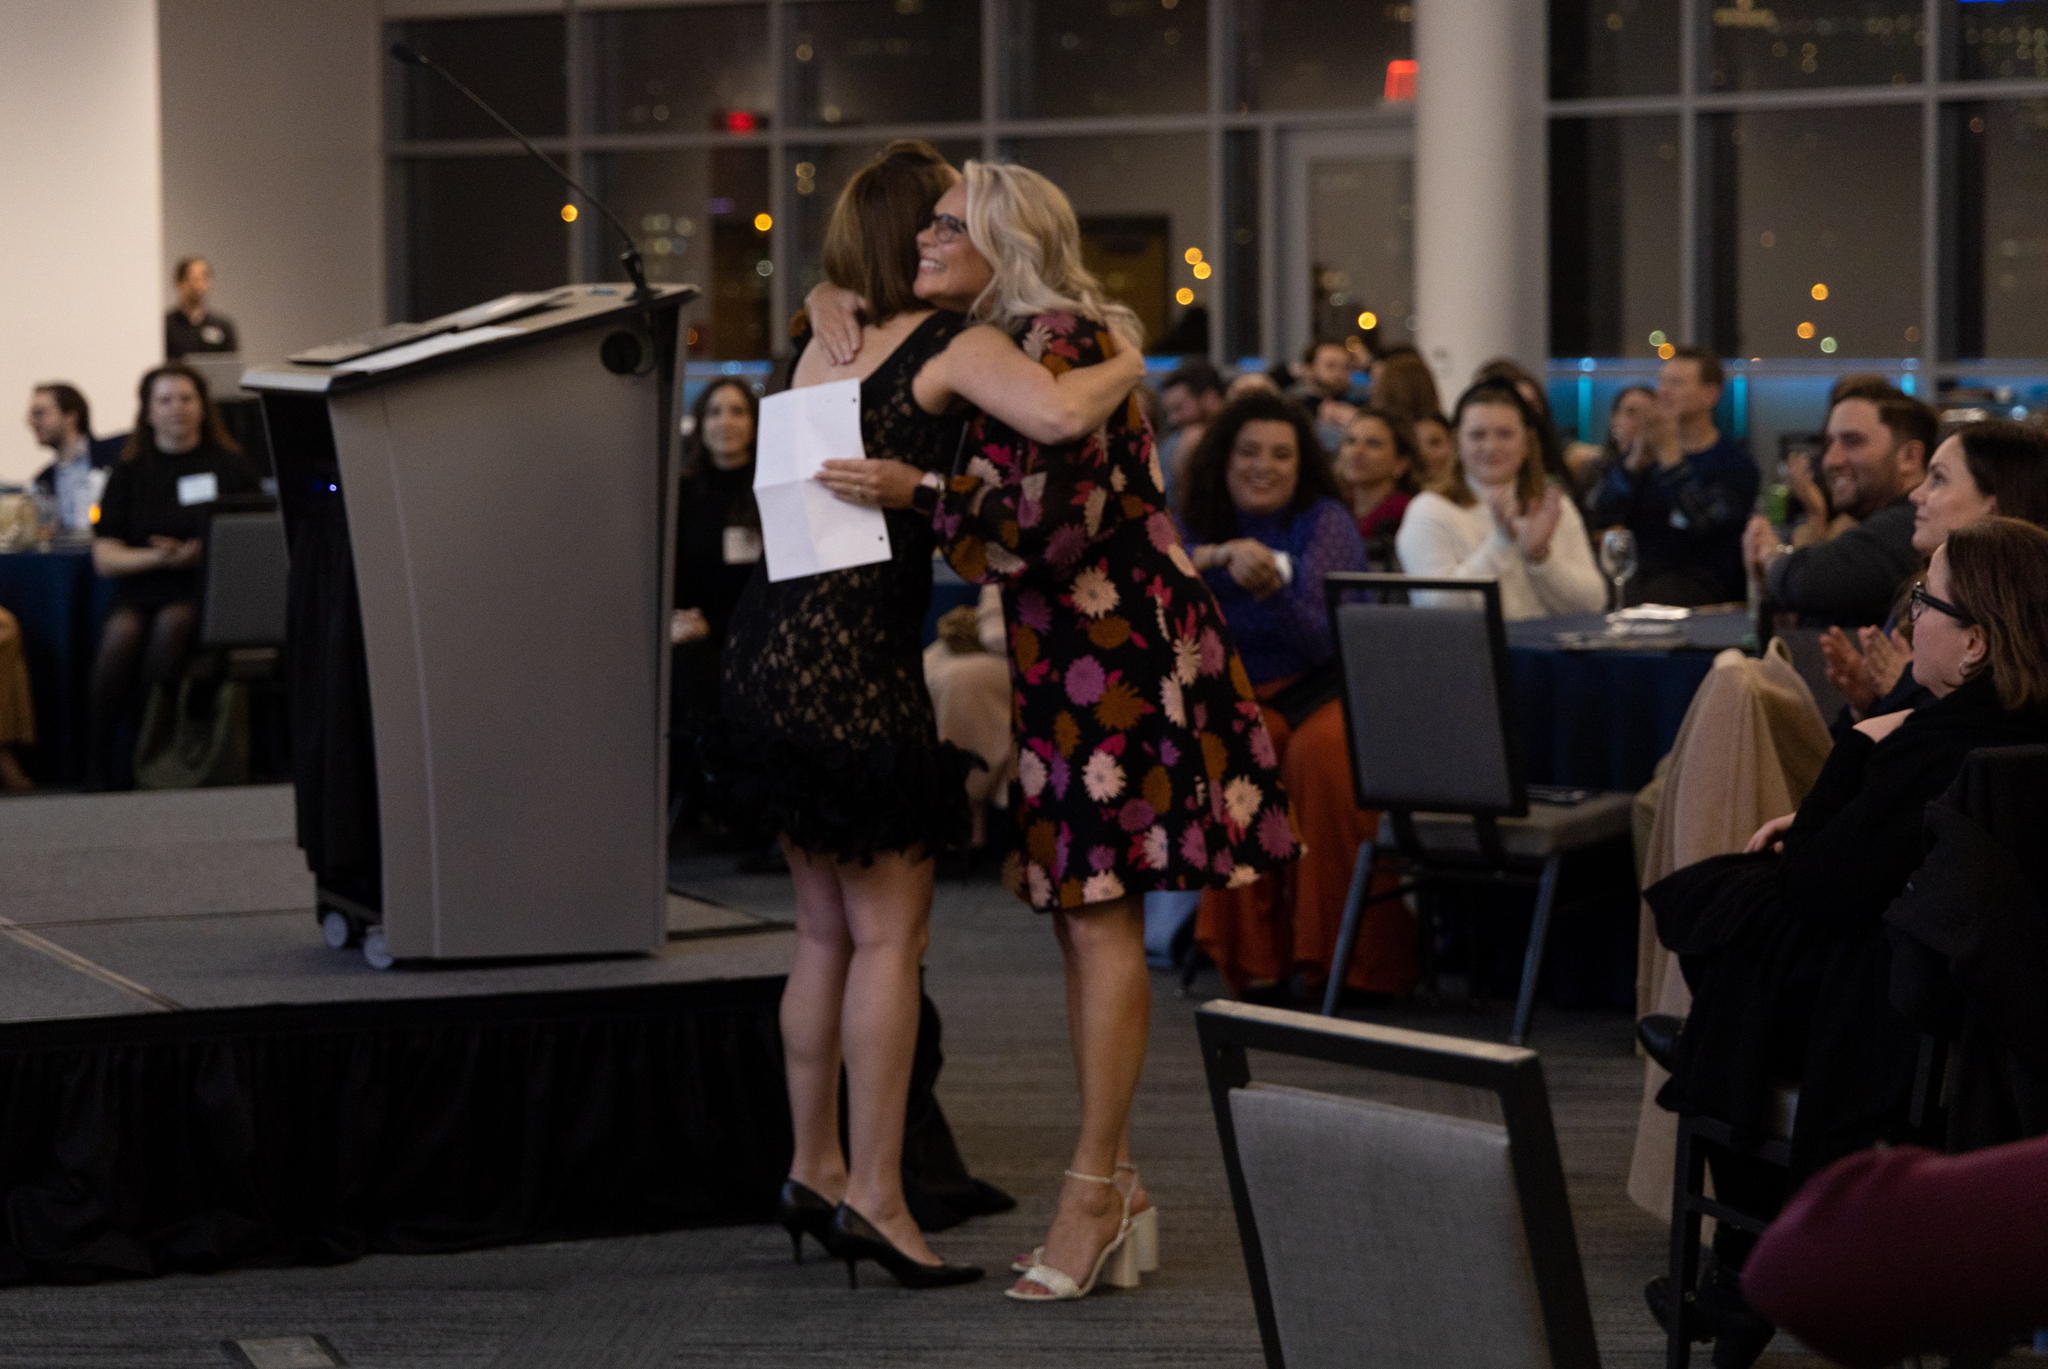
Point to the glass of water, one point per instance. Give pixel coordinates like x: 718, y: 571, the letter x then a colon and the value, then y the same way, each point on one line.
x: 1618, y: 560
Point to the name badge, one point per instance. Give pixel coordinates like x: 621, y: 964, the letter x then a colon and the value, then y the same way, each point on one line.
x: 213, y: 334
x: 202, y: 488
x: 742, y: 546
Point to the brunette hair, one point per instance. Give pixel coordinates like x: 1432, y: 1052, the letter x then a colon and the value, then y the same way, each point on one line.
x: 697, y: 459
x: 1405, y: 386
x: 1996, y: 567
x: 1708, y: 365
x: 1530, y: 479
x: 871, y: 239
x: 1549, y: 447
x: 1608, y: 450
x: 1024, y: 227
x: 142, y: 438
x: 184, y: 264
x: 2009, y: 462
x: 1205, y: 493
x: 1409, y: 481
x: 68, y: 401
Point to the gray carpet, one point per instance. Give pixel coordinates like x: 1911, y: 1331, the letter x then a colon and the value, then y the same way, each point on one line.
x: 730, y: 1297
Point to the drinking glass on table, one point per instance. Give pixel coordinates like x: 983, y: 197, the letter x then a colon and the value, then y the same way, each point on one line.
x: 1618, y: 560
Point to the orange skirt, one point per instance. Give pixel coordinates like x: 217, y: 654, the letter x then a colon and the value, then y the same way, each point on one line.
x: 1287, y: 922
x: 17, y: 717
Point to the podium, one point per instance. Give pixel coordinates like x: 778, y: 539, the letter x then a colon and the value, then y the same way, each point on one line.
x: 480, y: 532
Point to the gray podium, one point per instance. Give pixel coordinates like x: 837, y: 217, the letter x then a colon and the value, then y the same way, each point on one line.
x: 481, y: 552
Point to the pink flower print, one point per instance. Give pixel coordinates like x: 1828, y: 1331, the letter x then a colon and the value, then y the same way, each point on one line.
x: 1187, y: 659
x: 1036, y: 341
x: 1136, y: 816
x: 1171, y: 699
x: 1194, y: 847
x: 1169, y: 754
x: 1100, y: 858
x: 1065, y: 545
x: 1159, y: 527
x: 1062, y: 849
x: 1222, y: 863
x: 1262, y: 748
x: 1085, y: 680
x: 1041, y: 886
x: 1102, y: 887
x: 1212, y: 652
x: 1033, y: 610
x: 1242, y: 797
x: 1062, y: 776
x: 1031, y: 774
x: 1094, y: 593
x: 1275, y: 835
x: 1155, y: 854
x: 1243, y: 875
x: 1103, y: 777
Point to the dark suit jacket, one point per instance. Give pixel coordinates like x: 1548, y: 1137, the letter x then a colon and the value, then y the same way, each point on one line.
x: 102, y: 451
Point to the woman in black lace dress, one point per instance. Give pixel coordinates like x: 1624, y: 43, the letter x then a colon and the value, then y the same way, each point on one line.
x: 826, y: 707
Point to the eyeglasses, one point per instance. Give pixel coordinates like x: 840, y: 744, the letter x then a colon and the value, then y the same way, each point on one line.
x: 1922, y: 601
x: 945, y: 228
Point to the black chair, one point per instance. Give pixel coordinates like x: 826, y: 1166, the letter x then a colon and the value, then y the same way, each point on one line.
x: 1428, y: 711
x: 242, y: 615
x: 1383, y: 1234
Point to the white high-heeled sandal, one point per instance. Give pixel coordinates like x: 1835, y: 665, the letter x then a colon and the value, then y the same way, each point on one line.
x: 1115, y: 1265
x: 1144, y: 1233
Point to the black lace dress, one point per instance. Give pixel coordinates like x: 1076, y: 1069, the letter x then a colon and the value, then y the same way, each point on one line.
x: 829, y: 735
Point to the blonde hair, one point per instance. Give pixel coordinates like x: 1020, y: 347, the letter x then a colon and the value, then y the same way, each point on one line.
x: 1024, y: 226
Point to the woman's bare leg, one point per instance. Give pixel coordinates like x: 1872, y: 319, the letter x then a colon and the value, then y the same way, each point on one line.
x: 888, y: 914
x: 811, y: 1006
x: 1109, y: 1012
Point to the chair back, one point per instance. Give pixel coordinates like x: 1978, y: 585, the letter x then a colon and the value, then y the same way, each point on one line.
x: 243, y: 600
x: 1392, y: 1235
x: 1427, y: 696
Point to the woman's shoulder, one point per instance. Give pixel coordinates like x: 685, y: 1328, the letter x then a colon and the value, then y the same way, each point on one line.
x: 1430, y: 505
x: 1063, y: 335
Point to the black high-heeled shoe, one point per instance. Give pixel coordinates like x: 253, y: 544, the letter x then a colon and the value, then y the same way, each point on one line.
x: 857, y: 1240
x: 803, y: 1212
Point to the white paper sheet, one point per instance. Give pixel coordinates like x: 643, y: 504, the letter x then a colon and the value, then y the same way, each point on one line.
x: 804, y: 527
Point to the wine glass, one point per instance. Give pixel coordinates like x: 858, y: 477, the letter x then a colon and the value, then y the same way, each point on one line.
x: 1618, y: 559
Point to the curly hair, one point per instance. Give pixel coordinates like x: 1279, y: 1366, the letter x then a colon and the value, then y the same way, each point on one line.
x: 1206, y: 505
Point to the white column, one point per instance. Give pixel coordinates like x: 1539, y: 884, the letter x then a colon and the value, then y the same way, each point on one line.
x: 1481, y: 193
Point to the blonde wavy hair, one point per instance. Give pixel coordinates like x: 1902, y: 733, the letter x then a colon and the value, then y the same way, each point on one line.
x: 1024, y: 226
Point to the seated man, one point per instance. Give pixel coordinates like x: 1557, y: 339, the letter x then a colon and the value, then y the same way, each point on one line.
x: 1878, y: 443
x: 1684, y: 489
x: 62, y: 421
x: 1188, y: 399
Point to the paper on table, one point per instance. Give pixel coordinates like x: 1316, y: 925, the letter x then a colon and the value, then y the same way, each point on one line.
x: 806, y: 529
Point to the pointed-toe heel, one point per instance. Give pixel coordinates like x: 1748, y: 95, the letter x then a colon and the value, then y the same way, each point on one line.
x: 804, y: 1212
x: 854, y: 1239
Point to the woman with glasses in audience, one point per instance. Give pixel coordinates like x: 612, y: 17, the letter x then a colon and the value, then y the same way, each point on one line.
x: 829, y: 733
x: 1497, y: 515
x: 1264, y: 523
x: 1996, y: 467
x: 1784, y: 946
x: 151, y: 542
x: 1143, y: 762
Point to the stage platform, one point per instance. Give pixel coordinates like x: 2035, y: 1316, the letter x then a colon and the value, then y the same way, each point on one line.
x: 190, y: 1078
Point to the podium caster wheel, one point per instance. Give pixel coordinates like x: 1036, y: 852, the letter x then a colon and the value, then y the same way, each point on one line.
x: 375, y: 951
x: 338, y: 931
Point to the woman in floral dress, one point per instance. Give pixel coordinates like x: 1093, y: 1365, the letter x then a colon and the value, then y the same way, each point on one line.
x: 1143, y: 761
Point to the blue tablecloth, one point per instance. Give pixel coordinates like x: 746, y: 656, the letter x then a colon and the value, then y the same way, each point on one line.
x: 60, y: 603
x: 1601, y: 718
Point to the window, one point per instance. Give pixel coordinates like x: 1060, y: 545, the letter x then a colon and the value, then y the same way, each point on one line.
x: 1786, y: 44
x: 518, y: 64
x: 696, y: 70
x: 1615, y: 238
x: 1324, y: 54
x: 700, y: 216
x: 477, y: 228
x: 2000, y: 278
x: 884, y: 62
x: 1073, y: 58
x: 1613, y: 47
x: 2000, y: 41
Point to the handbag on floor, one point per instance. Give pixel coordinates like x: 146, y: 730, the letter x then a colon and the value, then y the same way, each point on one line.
x: 194, y: 735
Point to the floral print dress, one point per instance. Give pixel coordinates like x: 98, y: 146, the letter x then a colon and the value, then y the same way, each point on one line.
x: 1143, y: 762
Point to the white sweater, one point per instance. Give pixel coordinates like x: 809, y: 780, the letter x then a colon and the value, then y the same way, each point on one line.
x: 1438, y: 538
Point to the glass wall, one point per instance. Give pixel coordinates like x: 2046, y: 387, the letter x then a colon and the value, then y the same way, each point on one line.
x: 722, y: 131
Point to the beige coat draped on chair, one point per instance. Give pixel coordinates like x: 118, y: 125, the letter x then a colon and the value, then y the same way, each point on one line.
x: 1751, y: 745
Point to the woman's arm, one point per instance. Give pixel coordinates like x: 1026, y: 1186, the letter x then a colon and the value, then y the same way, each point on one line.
x: 1333, y: 544
x: 1567, y: 581
x: 983, y: 366
x: 113, y: 559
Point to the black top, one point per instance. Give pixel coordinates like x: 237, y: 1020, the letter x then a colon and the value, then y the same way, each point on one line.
x: 1850, y: 580
x: 143, y: 500
x: 828, y: 733
x: 718, y: 541
x: 213, y: 333
x: 1688, y: 521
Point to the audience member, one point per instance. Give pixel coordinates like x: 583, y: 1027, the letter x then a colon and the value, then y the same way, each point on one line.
x: 150, y: 541
x: 1496, y: 515
x: 17, y: 714
x: 1188, y: 399
x: 1996, y: 467
x: 1889, y: 1253
x: 1438, y: 452
x: 967, y: 670
x: 1626, y: 418
x: 1244, y: 382
x: 1684, y: 489
x: 1264, y: 524
x: 1323, y: 386
x: 1376, y: 466
x: 62, y: 421
x: 189, y: 327
x: 718, y: 542
x: 1784, y: 946
x: 1403, y: 386
x: 1877, y: 446
x: 1550, y: 443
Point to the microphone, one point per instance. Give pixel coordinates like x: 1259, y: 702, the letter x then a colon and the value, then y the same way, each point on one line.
x: 636, y: 269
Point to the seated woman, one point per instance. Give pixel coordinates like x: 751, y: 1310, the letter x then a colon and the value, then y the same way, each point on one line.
x: 1784, y: 946
x: 150, y: 541
x: 17, y: 717
x: 1376, y: 466
x: 1497, y: 516
x: 967, y: 670
x: 1263, y: 524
